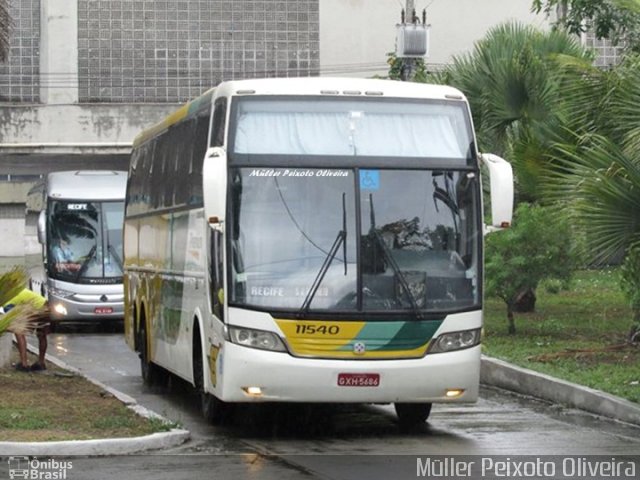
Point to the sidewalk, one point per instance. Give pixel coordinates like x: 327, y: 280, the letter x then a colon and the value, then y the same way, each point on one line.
x: 499, y: 373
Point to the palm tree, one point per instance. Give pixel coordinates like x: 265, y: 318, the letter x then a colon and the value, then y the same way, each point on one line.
x: 514, y: 81
x: 599, y: 170
x: 5, y: 28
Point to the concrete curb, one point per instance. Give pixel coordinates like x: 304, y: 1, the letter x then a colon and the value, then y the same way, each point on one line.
x: 501, y: 374
x: 100, y: 447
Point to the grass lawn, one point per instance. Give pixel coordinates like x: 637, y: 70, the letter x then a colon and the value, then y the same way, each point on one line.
x: 57, y: 405
x: 577, y: 334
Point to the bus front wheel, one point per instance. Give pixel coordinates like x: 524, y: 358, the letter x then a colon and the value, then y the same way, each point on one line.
x: 412, y: 414
x: 214, y: 410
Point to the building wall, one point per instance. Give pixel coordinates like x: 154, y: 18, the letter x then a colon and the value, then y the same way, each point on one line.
x: 357, y: 35
x: 20, y: 75
x: 171, y: 51
x: 607, y: 55
x: 12, y: 228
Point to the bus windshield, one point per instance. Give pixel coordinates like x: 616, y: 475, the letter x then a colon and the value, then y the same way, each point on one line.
x: 374, y: 127
x: 380, y: 240
x: 84, y: 242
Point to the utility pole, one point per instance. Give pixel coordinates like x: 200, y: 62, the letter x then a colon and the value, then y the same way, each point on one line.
x: 412, y: 39
x: 407, y: 62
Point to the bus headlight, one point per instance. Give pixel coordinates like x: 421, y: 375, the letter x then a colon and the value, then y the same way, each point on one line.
x: 451, y: 341
x: 260, y: 339
x: 56, y: 292
x: 60, y: 309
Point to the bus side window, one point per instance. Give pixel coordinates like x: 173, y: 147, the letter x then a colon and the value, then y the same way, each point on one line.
x: 219, y: 122
x: 133, y: 181
x: 169, y: 178
x: 145, y: 176
x: 183, y: 162
x: 157, y: 172
x: 216, y: 268
x: 199, y: 150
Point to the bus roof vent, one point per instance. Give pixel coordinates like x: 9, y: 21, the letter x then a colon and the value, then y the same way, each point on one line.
x: 376, y: 93
x: 329, y: 92
x: 453, y: 97
x: 245, y: 92
x: 352, y: 92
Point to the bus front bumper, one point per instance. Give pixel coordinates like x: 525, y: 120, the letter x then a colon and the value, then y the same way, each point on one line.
x: 86, y: 308
x: 249, y: 375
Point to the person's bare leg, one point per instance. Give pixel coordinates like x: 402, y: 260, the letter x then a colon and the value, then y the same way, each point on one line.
x: 42, y: 349
x: 21, y: 340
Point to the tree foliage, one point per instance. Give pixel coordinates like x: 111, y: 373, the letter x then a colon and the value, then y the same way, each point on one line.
x: 5, y: 29
x: 536, y: 247
x: 396, y: 66
x: 598, y: 174
x: 630, y: 283
x: 616, y: 20
x: 514, y: 80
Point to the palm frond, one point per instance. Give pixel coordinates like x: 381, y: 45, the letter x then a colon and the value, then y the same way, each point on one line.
x: 604, y: 183
x: 12, y: 283
x: 23, y: 319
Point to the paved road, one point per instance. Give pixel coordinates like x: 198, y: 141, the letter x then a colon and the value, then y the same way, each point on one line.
x: 337, y: 442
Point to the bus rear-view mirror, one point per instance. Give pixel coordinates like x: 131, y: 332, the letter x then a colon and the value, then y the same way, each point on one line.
x: 42, y: 224
x: 501, y: 185
x: 214, y: 172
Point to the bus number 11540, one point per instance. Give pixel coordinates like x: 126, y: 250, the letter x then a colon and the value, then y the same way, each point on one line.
x: 315, y: 329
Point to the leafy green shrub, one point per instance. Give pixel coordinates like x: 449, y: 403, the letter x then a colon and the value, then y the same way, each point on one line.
x: 536, y: 247
x: 630, y: 284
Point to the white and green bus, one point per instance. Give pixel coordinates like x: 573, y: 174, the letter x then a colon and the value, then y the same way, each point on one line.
x: 312, y: 240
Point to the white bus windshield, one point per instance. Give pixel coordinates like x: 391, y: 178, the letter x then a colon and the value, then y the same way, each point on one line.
x: 84, y: 242
x: 372, y: 240
x: 352, y: 127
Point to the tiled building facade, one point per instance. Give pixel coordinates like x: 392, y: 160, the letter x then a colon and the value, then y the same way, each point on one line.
x: 606, y: 54
x: 20, y: 74
x: 166, y: 51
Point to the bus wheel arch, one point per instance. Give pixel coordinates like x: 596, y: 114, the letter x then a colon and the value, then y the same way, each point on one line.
x: 152, y: 374
x: 214, y: 410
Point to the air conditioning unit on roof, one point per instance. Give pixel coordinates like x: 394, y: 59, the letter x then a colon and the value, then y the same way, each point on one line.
x: 412, y: 40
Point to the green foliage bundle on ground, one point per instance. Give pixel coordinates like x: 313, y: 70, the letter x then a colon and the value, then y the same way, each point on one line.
x: 535, y: 248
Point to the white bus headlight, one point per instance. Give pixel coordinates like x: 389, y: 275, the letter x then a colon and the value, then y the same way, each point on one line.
x: 60, y: 309
x: 249, y: 337
x: 448, y: 342
x: 57, y: 292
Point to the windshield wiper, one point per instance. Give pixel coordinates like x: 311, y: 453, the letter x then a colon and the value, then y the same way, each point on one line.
x: 394, y: 266
x: 85, y: 263
x: 114, y: 254
x: 341, y: 240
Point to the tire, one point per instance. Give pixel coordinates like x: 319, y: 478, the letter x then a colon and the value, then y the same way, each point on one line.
x: 151, y: 373
x: 412, y: 414
x: 214, y: 410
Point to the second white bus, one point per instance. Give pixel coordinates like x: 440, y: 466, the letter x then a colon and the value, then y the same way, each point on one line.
x: 79, y: 216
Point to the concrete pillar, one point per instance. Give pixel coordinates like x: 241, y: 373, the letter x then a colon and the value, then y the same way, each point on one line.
x: 59, y: 51
x: 6, y: 345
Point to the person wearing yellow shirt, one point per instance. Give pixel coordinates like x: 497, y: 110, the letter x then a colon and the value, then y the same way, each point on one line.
x: 27, y: 296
